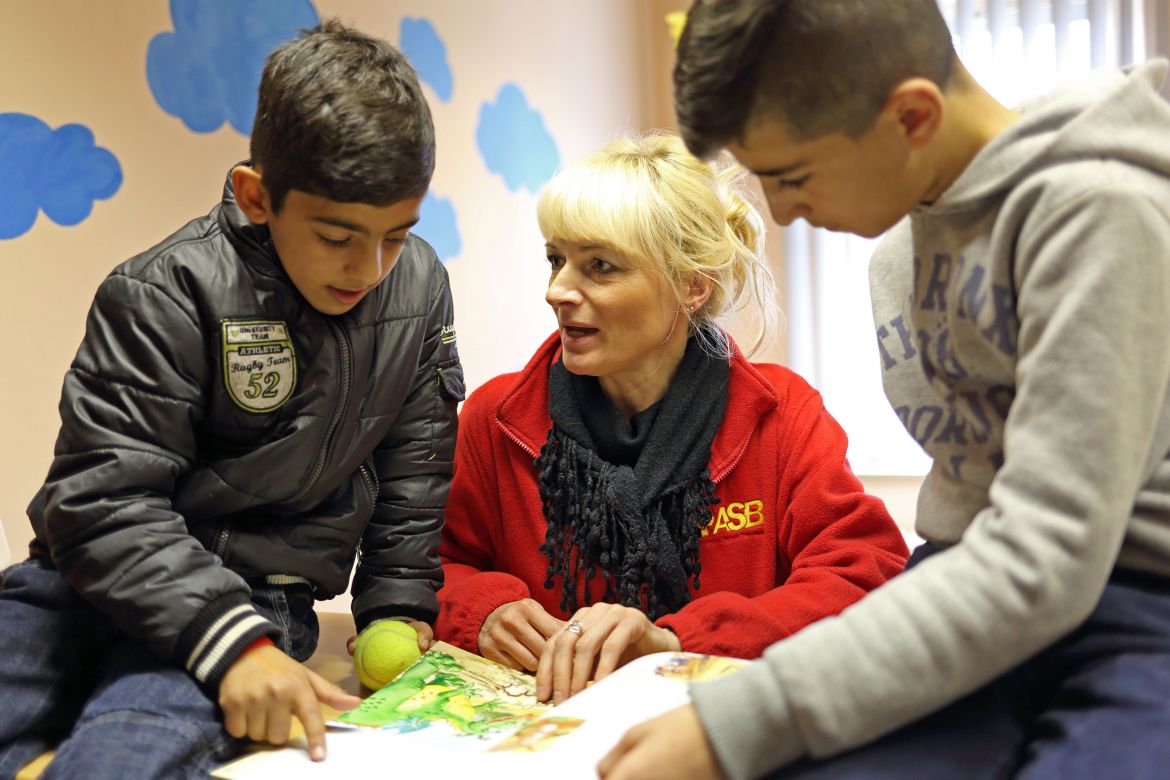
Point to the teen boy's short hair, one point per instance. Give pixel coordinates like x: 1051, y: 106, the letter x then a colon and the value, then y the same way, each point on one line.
x: 341, y: 115
x: 818, y: 66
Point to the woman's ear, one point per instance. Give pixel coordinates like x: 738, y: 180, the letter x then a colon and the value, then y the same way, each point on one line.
x: 251, y: 194
x: 697, y: 292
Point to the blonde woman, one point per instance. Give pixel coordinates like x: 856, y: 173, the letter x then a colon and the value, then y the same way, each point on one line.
x: 641, y: 486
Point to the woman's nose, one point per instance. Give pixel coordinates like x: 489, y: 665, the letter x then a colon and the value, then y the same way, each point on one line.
x: 562, y: 288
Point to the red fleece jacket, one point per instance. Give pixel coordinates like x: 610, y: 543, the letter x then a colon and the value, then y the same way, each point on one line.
x: 793, y: 538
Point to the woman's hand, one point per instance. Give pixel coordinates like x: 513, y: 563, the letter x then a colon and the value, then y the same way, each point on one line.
x: 610, y: 636
x: 515, y: 634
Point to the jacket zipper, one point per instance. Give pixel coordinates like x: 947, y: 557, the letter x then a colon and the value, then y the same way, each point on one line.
x: 221, y: 542
x: 338, y: 412
x: 518, y: 443
x: 370, y: 479
x: 738, y: 456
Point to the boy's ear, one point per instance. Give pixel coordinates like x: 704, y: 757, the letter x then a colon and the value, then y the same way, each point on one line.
x: 251, y: 194
x: 916, y: 106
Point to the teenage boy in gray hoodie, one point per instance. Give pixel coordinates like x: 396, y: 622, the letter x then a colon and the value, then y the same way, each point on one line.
x: 1022, y: 308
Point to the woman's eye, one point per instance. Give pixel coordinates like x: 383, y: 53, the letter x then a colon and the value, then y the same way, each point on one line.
x: 336, y: 243
x: 792, y: 184
x: 603, y: 266
x: 555, y: 261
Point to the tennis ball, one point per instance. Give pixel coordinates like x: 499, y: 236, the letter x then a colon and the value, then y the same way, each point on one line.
x: 383, y: 650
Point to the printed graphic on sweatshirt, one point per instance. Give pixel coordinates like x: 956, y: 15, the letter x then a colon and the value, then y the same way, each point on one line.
x: 956, y: 324
x: 259, y: 364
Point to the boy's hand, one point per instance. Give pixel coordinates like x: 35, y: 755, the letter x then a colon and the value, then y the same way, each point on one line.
x: 675, y: 739
x: 515, y: 634
x: 426, y: 637
x: 264, y: 688
x: 611, y: 635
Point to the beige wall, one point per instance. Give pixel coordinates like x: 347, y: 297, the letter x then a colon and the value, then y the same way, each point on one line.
x: 85, y: 63
x: 900, y: 495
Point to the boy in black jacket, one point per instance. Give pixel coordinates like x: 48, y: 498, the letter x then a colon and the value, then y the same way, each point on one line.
x: 259, y: 399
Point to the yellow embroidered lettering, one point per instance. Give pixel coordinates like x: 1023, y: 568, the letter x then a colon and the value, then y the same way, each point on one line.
x: 735, y: 516
x: 721, y: 521
x: 754, y: 511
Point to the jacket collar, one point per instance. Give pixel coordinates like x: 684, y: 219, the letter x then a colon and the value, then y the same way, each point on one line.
x: 523, y: 411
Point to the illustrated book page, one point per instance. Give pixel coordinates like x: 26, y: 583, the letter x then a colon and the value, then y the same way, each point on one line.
x: 455, y: 711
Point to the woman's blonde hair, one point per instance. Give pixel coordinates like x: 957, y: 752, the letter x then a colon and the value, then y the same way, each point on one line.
x: 646, y: 196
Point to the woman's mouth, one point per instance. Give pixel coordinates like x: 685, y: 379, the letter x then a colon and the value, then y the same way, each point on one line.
x: 576, y: 335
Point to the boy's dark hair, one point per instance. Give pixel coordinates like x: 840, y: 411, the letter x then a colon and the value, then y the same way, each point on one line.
x: 341, y: 115
x: 818, y: 66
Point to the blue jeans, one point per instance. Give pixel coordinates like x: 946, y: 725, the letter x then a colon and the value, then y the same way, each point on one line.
x: 1094, y: 705
x: 69, y: 678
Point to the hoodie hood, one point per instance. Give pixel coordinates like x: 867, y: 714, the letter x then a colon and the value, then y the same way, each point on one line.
x: 1109, y: 115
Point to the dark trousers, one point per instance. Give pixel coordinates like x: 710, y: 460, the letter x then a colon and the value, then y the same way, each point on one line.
x: 1093, y: 706
x: 69, y: 678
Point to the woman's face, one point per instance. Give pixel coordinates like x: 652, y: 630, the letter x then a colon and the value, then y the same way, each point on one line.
x: 620, y: 318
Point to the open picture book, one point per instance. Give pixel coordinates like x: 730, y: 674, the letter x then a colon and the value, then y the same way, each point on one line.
x: 455, y: 711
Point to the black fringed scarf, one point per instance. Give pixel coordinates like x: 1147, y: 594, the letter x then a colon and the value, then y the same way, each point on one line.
x: 629, y: 499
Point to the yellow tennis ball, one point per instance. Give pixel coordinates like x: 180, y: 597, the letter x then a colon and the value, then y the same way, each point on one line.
x: 383, y: 650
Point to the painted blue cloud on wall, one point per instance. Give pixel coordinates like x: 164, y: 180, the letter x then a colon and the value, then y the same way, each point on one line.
x: 60, y: 172
x: 514, y: 142
x: 207, y: 70
x: 438, y: 225
x: 421, y: 44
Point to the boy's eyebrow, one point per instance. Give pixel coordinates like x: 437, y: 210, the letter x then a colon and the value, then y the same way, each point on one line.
x: 404, y: 225
x: 356, y: 228
x: 782, y: 170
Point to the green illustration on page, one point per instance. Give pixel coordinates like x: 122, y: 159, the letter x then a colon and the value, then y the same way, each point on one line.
x: 475, y: 696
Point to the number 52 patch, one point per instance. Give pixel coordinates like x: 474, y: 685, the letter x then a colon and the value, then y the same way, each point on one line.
x: 259, y: 364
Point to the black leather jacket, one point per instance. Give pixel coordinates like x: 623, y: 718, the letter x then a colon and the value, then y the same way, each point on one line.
x: 216, y: 431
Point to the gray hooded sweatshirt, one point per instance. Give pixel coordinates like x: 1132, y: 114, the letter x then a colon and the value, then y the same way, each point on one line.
x: 1024, y: 329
